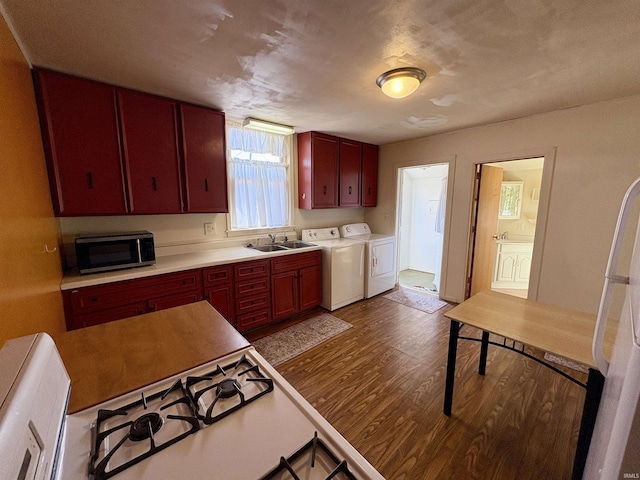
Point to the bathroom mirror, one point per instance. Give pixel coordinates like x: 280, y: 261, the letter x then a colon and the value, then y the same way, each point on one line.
x: 510, y: 200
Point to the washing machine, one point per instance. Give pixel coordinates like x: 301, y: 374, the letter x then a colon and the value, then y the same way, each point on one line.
x: 342, y: 266
x: 380, y: 257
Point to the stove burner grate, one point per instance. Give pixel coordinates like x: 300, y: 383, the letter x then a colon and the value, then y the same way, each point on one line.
x: 142, y: 428
x: 312, y: 449
x: 242, y: 374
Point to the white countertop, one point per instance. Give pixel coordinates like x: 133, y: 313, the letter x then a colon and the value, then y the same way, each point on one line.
x: 515, y: 240
x: 176, y: 263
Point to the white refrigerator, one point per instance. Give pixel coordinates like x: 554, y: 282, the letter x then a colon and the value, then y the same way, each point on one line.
x: 615, y: 446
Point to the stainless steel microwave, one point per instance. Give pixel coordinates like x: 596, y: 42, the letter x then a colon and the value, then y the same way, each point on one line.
x: 116, y: 251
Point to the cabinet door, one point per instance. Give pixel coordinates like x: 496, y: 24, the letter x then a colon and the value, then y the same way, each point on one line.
x: 149, y: 134
x: 310, y: 287
x: 324, y: 158
x: 203, y: 144
x: 284, y: 294
x: 506, y: 271
x: 222, y: 299
x: 350, y: 167
x: 80, y: 133
x: 369, y: 175
x: 524, y: 268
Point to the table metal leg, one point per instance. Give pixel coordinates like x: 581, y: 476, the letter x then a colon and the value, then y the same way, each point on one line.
x: 484, y: 347
x: 451, y: 366
x: 595, y: 384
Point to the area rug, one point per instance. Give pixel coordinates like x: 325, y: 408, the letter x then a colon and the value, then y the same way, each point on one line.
x: 565, y: 362
x: 425, y: 303
x: 292, y: 341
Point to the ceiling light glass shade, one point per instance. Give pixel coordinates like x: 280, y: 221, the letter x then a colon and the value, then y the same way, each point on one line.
x: 267, y: 126
x: 401, y: 82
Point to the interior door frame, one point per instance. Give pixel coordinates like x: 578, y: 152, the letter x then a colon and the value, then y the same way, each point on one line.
x: 397, y: 181
x: 549, y: 155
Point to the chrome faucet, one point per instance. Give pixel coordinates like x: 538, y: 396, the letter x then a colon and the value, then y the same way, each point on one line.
x: 272, y: 236
x: 504, y: 235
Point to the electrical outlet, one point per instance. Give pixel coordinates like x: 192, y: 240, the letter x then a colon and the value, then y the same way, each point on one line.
x: 209, y: 228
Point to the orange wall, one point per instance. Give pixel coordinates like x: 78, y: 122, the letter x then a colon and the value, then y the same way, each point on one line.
x: 30, y: 299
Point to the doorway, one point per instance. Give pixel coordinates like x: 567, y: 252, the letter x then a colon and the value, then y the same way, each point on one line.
x: 506, y: 216
x: 422, y: 211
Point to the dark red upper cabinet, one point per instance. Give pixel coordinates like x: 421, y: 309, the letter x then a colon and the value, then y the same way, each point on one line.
x: 369, y: 175
x: 204, y: 153
x: 318, y: 160
x: 80, y: 135
x: 350, y: 167
x: 150, y: 145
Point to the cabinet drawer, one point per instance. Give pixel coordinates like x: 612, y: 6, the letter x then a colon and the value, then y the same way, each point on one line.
x: 110, y: 315
x: 515, y: 248
x: 253, y: 303
x: 256, y: 268
x: 217, y: 275
x: 174, y: 300
x: 294, y: 262
x: 253, y: 319
x: 252, y: 287
x: 100, y: 297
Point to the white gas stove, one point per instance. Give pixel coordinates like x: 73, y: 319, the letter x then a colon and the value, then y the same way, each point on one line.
x: 233, y: 418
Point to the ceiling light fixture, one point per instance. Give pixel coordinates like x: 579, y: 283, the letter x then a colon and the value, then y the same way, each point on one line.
x: 401, y: 82
x: 267, y: 126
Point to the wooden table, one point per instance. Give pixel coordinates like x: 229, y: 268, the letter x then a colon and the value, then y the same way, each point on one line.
x: 109, y: 360
x: 552, y: 329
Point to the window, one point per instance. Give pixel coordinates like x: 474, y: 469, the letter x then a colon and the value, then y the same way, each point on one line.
x: 259, y: 180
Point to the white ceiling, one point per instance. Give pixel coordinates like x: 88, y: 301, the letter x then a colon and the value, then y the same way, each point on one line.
x: 313, y: 64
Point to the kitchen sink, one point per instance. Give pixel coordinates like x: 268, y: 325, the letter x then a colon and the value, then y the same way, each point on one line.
x: 268, y: 248
x: 296, y: 244
x: 278, y: 247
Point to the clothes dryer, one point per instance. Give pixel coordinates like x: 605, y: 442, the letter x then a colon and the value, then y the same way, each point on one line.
x: 380, y: 257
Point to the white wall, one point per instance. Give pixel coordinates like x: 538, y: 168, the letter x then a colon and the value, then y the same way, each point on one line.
x: 597, y: 157
x: 179, y: 233
x: 419, y: 239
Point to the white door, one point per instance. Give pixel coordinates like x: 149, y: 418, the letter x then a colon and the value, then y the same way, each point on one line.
x: 382, y: 259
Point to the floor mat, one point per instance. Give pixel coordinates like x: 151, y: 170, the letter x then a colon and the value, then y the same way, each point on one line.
x: 423, y: 302
x: 292, y: 341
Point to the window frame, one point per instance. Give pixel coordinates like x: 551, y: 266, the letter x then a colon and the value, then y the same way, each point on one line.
x: 291, y: 190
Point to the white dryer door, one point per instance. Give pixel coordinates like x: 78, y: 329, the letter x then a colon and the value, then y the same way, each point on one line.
x: 382, y: 259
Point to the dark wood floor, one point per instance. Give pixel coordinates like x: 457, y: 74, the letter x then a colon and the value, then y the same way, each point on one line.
x: 381, y: 384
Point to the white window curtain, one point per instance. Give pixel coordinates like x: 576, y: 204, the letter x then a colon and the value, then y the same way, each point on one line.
x: 258, y: 170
